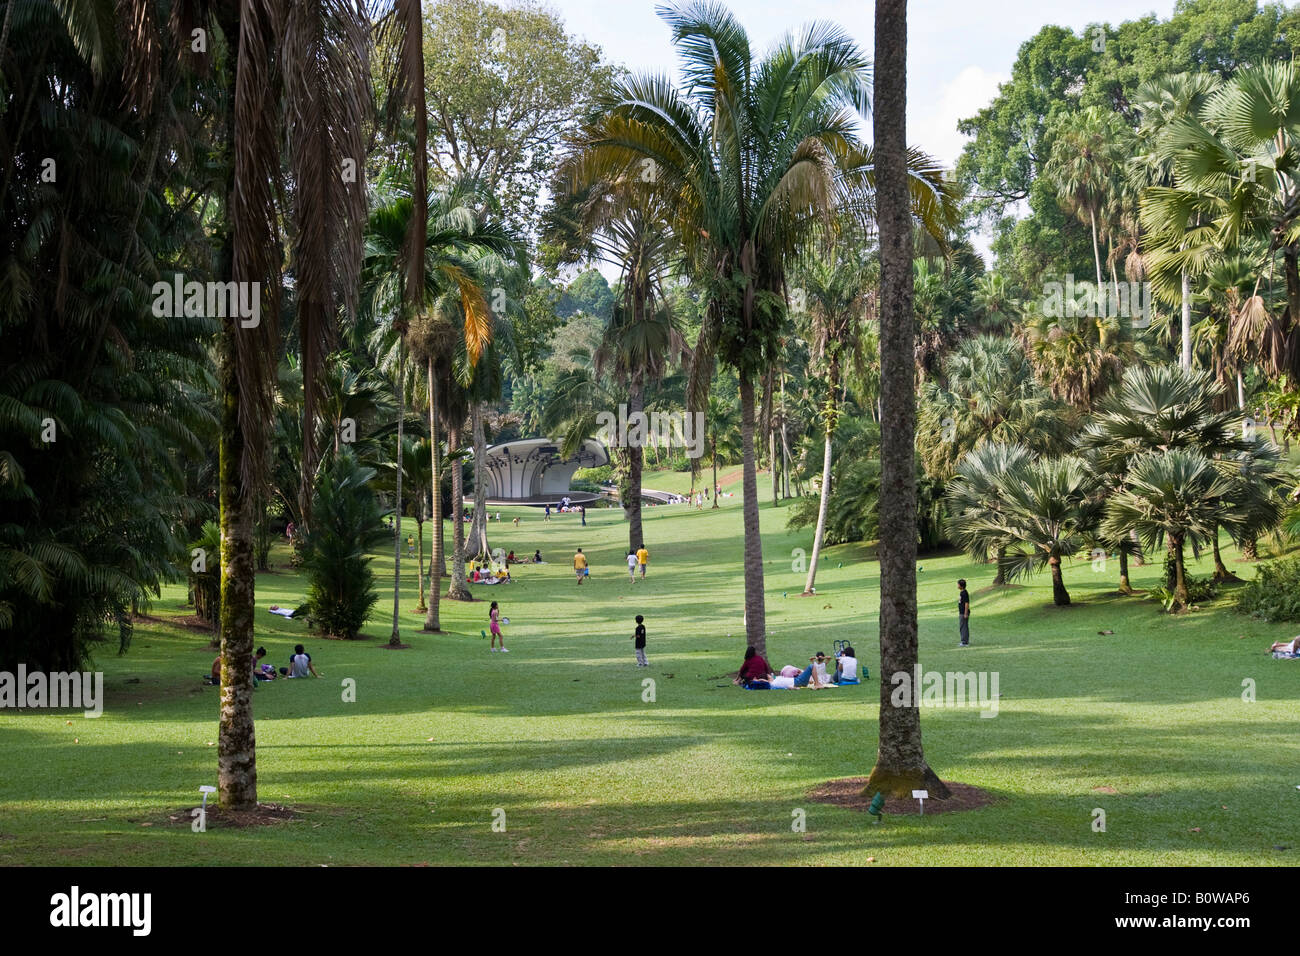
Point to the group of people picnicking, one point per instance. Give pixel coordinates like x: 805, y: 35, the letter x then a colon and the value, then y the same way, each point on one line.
x: 756, y: 674
x: 300, y: 665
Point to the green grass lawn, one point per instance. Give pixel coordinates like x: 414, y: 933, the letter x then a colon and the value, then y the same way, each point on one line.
x: 1148, y: 724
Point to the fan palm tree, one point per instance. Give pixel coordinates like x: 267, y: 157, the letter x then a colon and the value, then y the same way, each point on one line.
x: 1048, y: 510
x: 1160, y: 102
x: 1235, y: 179
x: 1172, y: 497
x: 974, y: 501
x: 1083, y: 166
x: 754, y: 152
x: 991, y: 395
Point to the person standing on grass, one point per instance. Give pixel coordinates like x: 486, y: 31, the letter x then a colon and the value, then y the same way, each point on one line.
x: 638, y: 641
x: 963, y: 613
x: 631, y: 567
x: 582, y: 510
x: 580, y: 565
x: 642, y: 559
x: 494, y: 618
x: 547, y: 516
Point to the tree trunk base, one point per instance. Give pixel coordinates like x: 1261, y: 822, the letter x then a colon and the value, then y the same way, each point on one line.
x: 901, y: 783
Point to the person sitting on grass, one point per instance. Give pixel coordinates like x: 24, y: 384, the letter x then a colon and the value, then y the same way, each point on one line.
x: 511, y: 559
x: 755, y: 673
x: 1286, y: 649
x: 846, y: 667
x: 300, y: 664
x: 537, y: 556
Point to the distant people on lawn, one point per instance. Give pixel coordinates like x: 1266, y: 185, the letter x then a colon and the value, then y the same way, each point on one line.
x: 300, y: 664
x: 511, y: 559
x: 963, y: 613
x: 631, y: 567
x: 754, y: 672
x: 537, y: 556
x: 642, y: 559
x: 582, y: 510
x: 494, y: 617
x: 516, y: 521
x: 638, y: 642
x: 814, y: 675
x: 580, y: 566
x: 547, y: 515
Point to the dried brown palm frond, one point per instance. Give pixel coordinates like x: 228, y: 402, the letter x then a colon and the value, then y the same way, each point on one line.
x: 253, y: 222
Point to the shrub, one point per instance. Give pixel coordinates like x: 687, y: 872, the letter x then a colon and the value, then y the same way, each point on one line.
x: 346, y: 522
x: 1274, y: 594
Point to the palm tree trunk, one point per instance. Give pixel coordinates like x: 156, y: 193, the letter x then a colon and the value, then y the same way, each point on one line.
x: 396, y: 637
x: 436, y: 558
x: 772, y: 465
x: 715, y: 473
x: 632, y: 507
x: 1125, y: 587
x: 1186, y: 359
x: 900, y: 760
x: 822, y: 507
x: 1060, y: 596
x: 1180, y: 575
x: 1221, y: 573
x: 419, y: 536
x: 236, y: 744
x: 1250, y: 550
x: 755, y: 611
x: 1000, y: 577
x: 458, y: 590
x: 1096, y: 250
x: 479, y: 527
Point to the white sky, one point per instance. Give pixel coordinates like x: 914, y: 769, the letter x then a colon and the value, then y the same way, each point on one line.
x: 958, y: 50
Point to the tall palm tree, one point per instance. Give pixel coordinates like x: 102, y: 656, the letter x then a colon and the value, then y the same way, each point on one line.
x: 624, y: 222
x: 840, y: 296
x: 900, y: 759
x: 1083, y: 166
x: 754, y: 152
x: 1235, y: 175
x: 973, y: 498
x: 1160, y: 102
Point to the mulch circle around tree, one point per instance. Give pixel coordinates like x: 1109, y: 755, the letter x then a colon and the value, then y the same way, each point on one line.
x: 848, y: 793
x: 395, y: 647
x: 266, y: 814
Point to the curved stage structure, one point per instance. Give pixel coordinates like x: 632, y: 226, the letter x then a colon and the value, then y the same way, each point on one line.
x: 531, y: 472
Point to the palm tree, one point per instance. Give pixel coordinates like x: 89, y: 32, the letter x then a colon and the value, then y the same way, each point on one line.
x: 840, y: 295
x: 1160, y: 101
x: 625, y: 222
x: 1172, y: 497
x: 1047, y: 509
x: 900, y: 759
x: 1083, y: 165
x: 1235, y: 180
x: 974, y: 498
x: 724, y: 437
x: 753, y: 152
x: 991, y: 395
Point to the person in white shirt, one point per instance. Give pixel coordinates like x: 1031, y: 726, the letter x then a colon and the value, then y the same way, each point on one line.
x: 846, y: 667
x: 631, y: 566
x: 300, y: 664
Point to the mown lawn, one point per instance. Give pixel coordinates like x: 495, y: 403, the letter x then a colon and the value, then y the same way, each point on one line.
x: 556, y: 734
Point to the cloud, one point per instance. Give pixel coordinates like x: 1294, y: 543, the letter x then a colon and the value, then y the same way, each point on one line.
x: 935, y: 130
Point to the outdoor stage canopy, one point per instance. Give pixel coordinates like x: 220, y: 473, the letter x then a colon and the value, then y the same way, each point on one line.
x: 532, y: 472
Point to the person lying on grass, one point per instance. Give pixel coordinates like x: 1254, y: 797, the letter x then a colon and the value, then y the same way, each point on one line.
x: 1290, y: 648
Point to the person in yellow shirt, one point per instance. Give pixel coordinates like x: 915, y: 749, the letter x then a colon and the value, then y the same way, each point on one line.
x: 642, y: 559
x: 580, y: 565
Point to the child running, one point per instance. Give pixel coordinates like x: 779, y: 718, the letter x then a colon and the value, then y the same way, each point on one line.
x: 494, y: 615
x: 631, y: 567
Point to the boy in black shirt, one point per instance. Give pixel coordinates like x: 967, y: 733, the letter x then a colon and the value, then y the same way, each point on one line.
x: 963, y: 613
x: 638, y: 636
